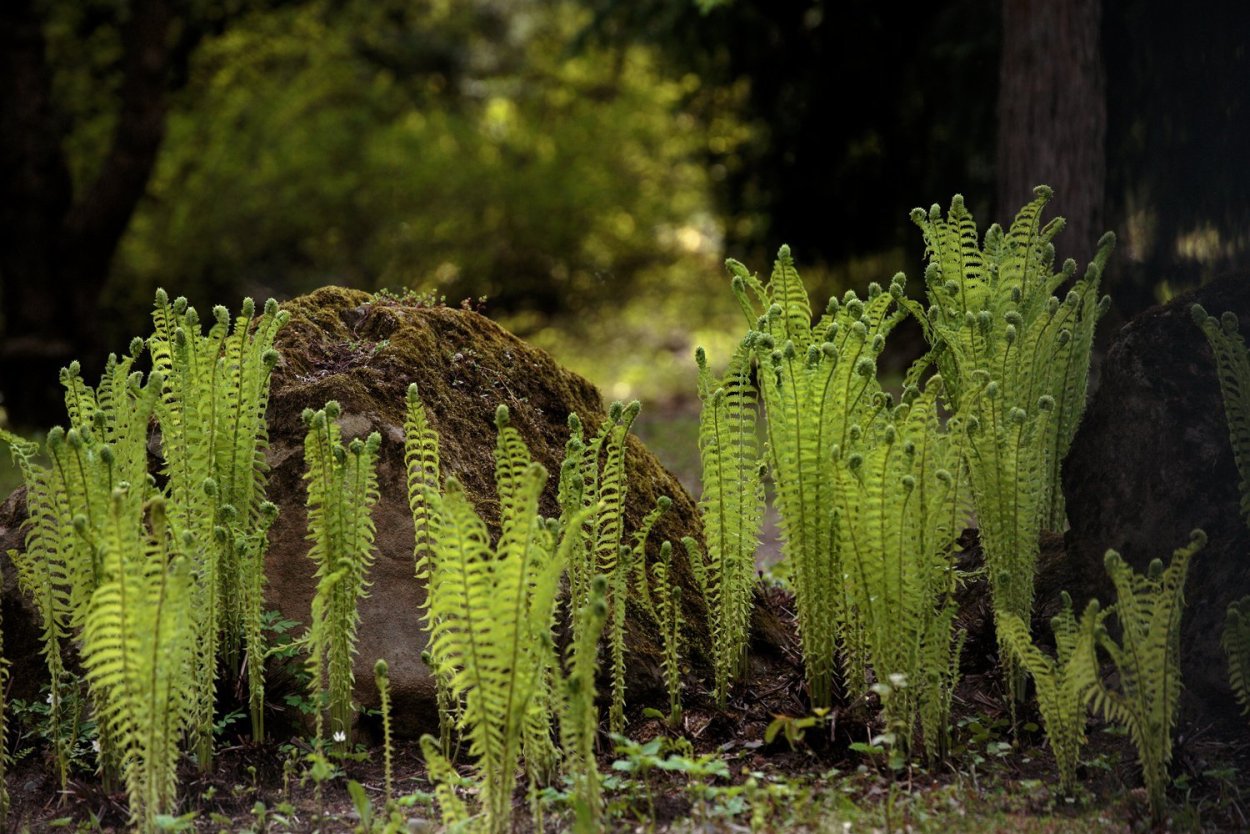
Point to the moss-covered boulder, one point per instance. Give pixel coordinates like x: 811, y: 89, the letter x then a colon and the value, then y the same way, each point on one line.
x: 364, y: 351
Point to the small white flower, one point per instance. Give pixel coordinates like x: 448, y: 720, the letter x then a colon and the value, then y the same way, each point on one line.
x: 95, y: 745
x: 339, y: 736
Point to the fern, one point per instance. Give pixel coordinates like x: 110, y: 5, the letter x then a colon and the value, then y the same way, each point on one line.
x: 732, y: 507
x: 490, y: 612
x: 213, y: 438
x: 579, y: 718
x: 902, y: 502
x: 69, y: 505
x: 4, y: 747
x: 819, y: 388
x: 137, y: 650
x: 342, y: 490
x: 1064, y: 683
x: 1015, y: 359
x: 1236, y: 643
x: 1147, y: 661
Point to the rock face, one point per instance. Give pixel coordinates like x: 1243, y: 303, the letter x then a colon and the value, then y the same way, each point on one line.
x: 1152, y: 461
x: 345, y: 345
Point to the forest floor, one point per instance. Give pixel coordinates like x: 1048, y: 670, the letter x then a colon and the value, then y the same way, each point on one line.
x: 713, y: 772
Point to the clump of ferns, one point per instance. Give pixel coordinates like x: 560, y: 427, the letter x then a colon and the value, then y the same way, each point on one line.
x: 818, y: 383
x: 138, y: 645
x: 1232, y: 362
x: 902, y: 501
x: 1064, y: 683
x: 732, y: 507
x: 342, y: 490
x: 71, y: 512
x: 593, y: 487
x: 1147, y: 661
x: 213, y: 440
x: 1015, y: 359
x: 492, y: 612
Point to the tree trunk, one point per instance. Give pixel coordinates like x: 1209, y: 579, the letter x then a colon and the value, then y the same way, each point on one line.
x: 1052, y: 115
x: 55, y: 246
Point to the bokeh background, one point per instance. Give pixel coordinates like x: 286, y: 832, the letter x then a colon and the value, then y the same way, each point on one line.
x: 584, y: 166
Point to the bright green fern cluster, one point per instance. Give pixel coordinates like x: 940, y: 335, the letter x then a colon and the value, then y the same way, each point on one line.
x: 1015, y: 359
x: 819, y: 387
x: 902, y: 500
x: 342, y: 490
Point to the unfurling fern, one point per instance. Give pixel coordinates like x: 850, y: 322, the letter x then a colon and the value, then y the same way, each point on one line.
x: 213, y: 438
x: 1064, y: 683
x: 138, y: 650
x: 1236, y: 643
x: 70, y: 512
x: 1147, y: 660
x: 1233, y: 369
x: 732, y: 506
x: 1015, y: 359
x: 579, y: 718
x: 342, y: 490
x: 819, y: 388
x: 667, y: 612
x: 902, y: 502
x: 491, y: 613
x: 593, y: 486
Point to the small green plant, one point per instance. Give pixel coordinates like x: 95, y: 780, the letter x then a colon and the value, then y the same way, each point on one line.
x: 342, y: 489
x: 668, y: 615
x: 1147, y: 661
x: 4, y: 726
x: 732, y: 506
x: 382, y: 678
x: 1236, y: 643
x: 1063, y: 683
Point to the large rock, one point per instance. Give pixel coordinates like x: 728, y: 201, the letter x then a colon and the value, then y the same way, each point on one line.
x: 345, y: 345
x: 1152, y: 461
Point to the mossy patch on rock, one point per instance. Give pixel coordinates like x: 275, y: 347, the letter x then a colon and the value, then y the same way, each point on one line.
x: 364, y: 351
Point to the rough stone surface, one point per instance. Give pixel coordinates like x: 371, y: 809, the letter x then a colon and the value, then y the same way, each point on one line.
x: 344, y: 345
x: 1152, y: 461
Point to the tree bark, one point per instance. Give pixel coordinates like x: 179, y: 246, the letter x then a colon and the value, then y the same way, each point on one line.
x: 1052, y: 115
x: 55, y: 246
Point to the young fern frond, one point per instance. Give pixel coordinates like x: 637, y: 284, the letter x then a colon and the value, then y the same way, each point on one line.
x: 1063, y: 683
x: 1147, y: 661
x: 1236, y: 643
x: 579, y: 718
x: 490, y: 614
x: 820, y: 393
x: 669, y: 617
x: 342, y: 490
x: 732, y: 505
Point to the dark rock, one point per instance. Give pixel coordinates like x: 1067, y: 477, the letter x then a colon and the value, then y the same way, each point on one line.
x: 1152, y: 461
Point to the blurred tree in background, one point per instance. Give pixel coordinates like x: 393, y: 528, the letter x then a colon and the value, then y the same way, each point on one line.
x: 584, y: 163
